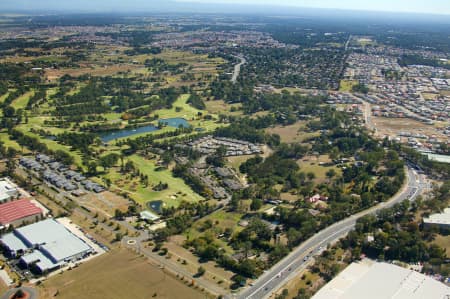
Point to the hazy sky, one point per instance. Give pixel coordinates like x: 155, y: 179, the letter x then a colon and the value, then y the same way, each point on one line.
x: 420, y: 6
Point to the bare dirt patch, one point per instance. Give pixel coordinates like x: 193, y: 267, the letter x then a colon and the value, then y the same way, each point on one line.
x: 105, y: 202
x: 393, y: 127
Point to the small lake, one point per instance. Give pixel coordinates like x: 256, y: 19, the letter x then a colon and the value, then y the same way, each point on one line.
x: 171, y: 122
x: 156, y: 205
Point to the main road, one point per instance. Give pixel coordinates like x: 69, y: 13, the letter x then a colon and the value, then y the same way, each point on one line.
x: 298, y: 259
x: 237, y: 68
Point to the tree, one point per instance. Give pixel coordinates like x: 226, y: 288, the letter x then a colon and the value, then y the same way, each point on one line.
x: 256, y: 204
x: 118, y: 236
x: 200, y: 271
x: 330, y: 173
x: 109, y: 160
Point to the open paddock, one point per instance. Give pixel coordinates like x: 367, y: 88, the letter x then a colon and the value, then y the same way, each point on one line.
x: 292, y: 133
x: 116, y: 275
x: 312, y: 164
x: 393, y: 127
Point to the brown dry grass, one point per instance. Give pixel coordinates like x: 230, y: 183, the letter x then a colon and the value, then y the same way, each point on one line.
x: 444, y: 242
x: 220, y: 107
x: 53, y: 74
x: 105, y: 202
x: 213, y: 273
x: 393, y: 126
x: 292, y: 133
x: 119, y: 274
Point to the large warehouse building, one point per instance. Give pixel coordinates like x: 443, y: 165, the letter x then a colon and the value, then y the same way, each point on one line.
x: 45, y: 246
x: 18, y: 212
x: 372, y: 280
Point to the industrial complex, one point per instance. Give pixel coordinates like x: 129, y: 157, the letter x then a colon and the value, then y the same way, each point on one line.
x: 45, y: 246
x: 362, y: 280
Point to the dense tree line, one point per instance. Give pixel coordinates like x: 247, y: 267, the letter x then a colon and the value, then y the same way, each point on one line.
x: 406, y: 60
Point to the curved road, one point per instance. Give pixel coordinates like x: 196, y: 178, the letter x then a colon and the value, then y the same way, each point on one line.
x: 299, y: 259
x: 237, y: 68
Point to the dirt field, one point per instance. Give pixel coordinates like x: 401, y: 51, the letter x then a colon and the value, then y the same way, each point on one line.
x: 105, y: 202
x: 117, y: 275
x: 393, y: 126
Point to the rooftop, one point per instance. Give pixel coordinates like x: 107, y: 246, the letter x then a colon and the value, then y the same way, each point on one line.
x: 7, y: 189
x: 53, y: 239
x: 442, y: 218
x: 147, y: 215
x: 372, y: 280
x: 16, y: 210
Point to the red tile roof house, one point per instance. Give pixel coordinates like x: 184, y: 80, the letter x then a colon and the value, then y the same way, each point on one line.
x: 19, y: 212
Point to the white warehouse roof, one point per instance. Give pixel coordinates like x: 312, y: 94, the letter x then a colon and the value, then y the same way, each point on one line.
x: 372, y: 280
x: 7, y: 189
x: 443, y: 218
x: 51, y: 237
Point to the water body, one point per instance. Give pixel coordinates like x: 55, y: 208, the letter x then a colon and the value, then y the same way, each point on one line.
x: 171, y: 122
x: 156, y: 205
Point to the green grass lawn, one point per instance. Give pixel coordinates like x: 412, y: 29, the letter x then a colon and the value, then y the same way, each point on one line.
x: 4, y: 137
x: 177, y: 191
x: 3, y: 97
x: 22, y: 101
x: 187, y: 111
x: 347, y: 85
x: 53, y: 145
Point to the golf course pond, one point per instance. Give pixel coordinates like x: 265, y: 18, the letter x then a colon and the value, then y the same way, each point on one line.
x: 171, y: 122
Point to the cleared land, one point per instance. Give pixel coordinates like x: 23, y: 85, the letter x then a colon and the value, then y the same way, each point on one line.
x: 117, y: 275
x: 393, y: 126
x: 292, y: 133
x: 311, y: 164
x: 220, y: 107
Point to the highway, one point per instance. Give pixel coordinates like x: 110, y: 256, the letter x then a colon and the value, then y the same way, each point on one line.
x: 302, y: 256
